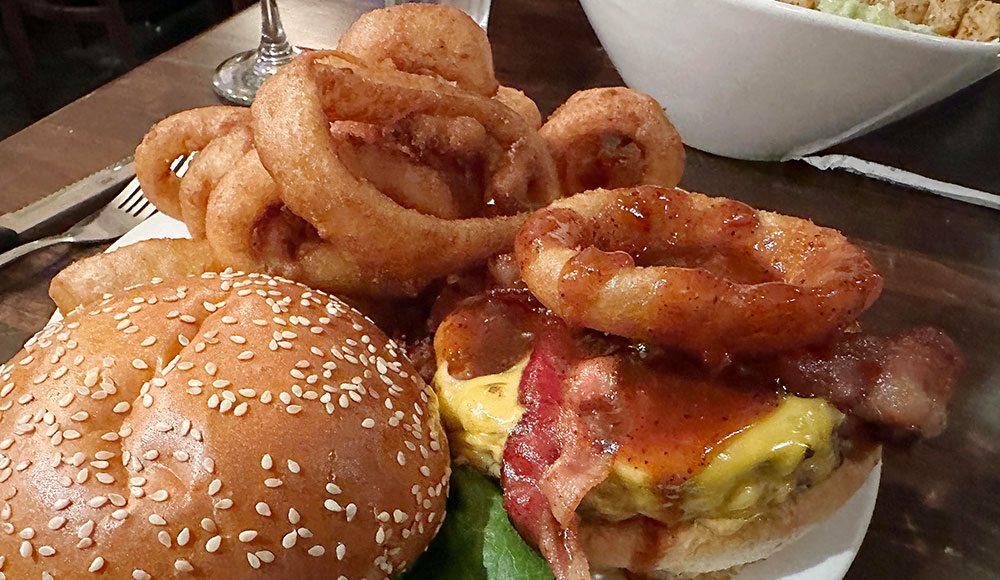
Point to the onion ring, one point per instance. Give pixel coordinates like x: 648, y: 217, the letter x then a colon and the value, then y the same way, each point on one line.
x: 613, y: 137
x: 205, y: 171
x: 88, y: 280
x: 250, y: 228
x: 521, y: 103
x: 177, y: 135
x: 736, y: 280
x: 458, y: 51
x: 291, y: 116
x: 392, y: 172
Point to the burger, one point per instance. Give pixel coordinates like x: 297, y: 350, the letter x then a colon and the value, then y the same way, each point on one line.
x: 222, y: 426
x: 642, y: 455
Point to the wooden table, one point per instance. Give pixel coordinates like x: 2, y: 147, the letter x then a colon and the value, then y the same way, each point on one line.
x: 937, y: 515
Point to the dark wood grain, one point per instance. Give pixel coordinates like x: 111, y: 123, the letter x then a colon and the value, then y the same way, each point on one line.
x: 937, y: 515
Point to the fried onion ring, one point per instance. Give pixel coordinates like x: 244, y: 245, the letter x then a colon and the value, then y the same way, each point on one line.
x: 711, y: 275
x: 458, y: 50
x: 613, y: 137
x: 88, y: 280
x: 250, y: 228
x: 389, y: 241
x: 177, y: 135
x: 205, y: 171
x: 521, y: 103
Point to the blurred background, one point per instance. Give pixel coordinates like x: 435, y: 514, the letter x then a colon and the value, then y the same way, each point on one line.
x: 55, y: 51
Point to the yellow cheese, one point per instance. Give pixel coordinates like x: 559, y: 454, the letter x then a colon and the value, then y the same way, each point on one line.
x: 479, y: 414
x: 792, y: 446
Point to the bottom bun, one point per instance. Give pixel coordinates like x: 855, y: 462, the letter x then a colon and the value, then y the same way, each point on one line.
x: 707, y: 546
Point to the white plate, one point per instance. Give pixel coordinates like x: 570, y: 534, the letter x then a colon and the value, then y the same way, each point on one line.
x: 824, y: 553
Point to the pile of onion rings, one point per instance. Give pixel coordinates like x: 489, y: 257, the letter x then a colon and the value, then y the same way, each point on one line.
x: 394, y: 161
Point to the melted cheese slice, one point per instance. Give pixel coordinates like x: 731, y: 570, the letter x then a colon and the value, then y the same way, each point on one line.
x: 790, y: 447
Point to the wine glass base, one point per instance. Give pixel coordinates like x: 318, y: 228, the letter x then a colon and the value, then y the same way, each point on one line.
x: 238, y: 77
x: 235, y: 79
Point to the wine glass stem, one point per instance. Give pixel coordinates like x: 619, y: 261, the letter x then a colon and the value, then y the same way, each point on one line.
x: 274, y: 49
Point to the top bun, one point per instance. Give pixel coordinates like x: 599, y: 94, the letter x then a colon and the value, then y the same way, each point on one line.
x: 226, y: 426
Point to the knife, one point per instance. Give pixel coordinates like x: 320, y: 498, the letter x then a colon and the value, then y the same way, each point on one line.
x: 64, y: 207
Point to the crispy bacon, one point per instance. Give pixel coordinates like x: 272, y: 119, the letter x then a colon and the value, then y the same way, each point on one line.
x: 560, y: 449
x: 900, y: 383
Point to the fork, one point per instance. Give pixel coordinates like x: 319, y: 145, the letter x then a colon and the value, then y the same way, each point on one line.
x: 127, y: 210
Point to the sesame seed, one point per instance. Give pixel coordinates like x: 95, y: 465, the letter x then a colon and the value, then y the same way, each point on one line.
x: 157, y: 520
x: 293, y: 516
x: 266, y: 462
x: 86, y: 529
x: 245, y: 355
x: 293, y: 466
x: 247, y: 535
x: 56, y: 523
x: 46, y: 551
x: 272, y: 482
x: 317, y: 551
x: 164, y: 538
x: 288, y: 542
x: 263, y: 509
x: 208, y: 525
x: 265, y: 556
x: 368, y: 423
x: 138, y: 574
x: 182, y: 565
x: 159, y: 495
x: 333, y: 488
x: 253, y: 559
x: 213, y: 544
x: 184, y: 537
x: 96, y: 565
x: 139, y: 364
x: 214, y: 487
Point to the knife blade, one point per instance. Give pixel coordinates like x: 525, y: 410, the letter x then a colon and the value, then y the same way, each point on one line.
x: 60, y: 209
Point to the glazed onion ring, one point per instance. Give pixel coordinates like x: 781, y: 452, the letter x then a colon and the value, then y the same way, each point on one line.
x: 177, y: 135
x: 711, y: 275
x: 458, y: 50
x: 613, y: 137
x: 291, y: 119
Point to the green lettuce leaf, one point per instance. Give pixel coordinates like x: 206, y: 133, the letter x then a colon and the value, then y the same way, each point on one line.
x: 477, y: 541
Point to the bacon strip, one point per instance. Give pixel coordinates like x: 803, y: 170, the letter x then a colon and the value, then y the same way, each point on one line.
x: 559, y: 450
x: 900, y: 383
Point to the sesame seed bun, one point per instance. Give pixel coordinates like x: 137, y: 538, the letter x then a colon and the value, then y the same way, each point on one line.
x: 225, y: 426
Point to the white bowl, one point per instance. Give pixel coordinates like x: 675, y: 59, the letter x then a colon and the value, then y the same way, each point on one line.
x: 760, y: 79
